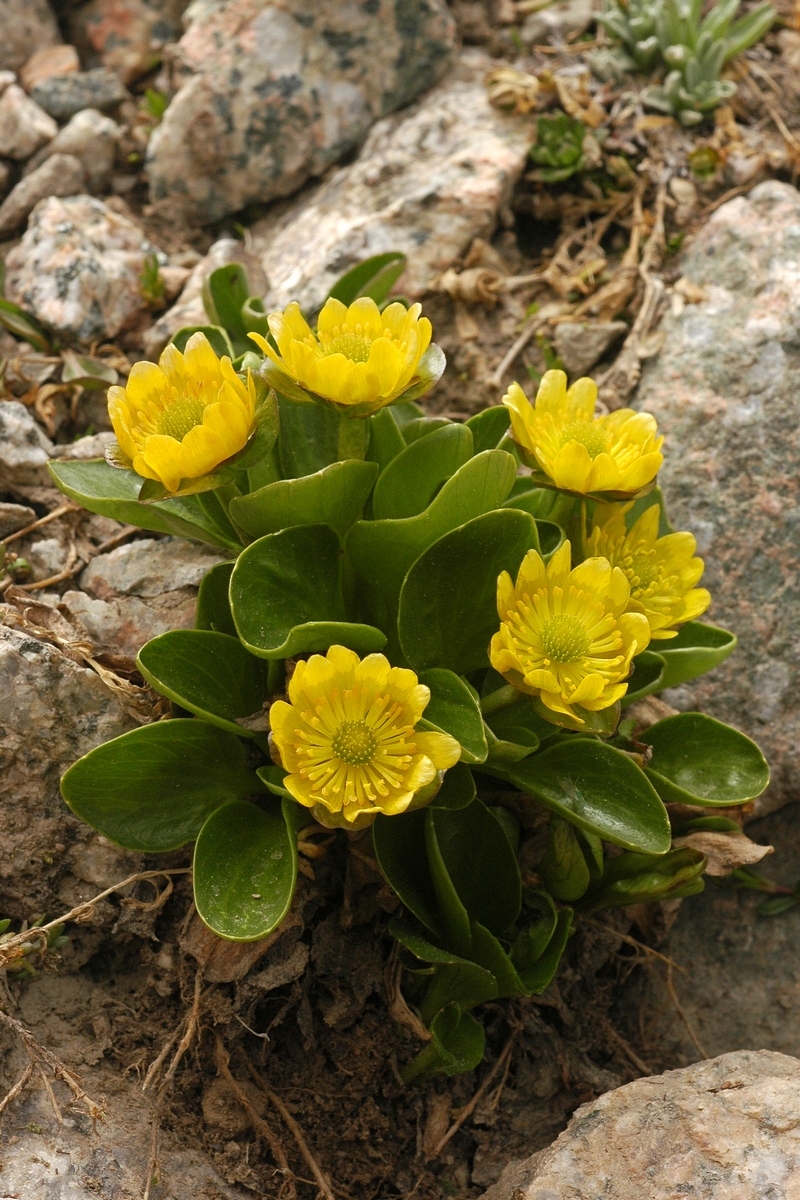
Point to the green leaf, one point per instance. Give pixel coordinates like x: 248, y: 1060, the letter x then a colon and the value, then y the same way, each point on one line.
x: 457, y: 790
x: 489, y: 427
x: 454, y: 709
x: 113, y: 493
x: 648, y: 673
x: 153, y: 788
x: 245, y: 871
x: 309, y: 437
x: 23, y: 325
x: 697, y: 648
x: 481, y: 864
x: 697, y: 760
x: 385, y: 439
x: 374, y: 277
x: 457, y: 1045
x: 643, y: 878
x: 272, y: 777
x: 420, y: 427
x: 455, y: 979
x: 448, y: 606
x: 225, y: 291
x: 220, y: 342
x: 453, y: 916
x: 334, y: 496
x: 286, y: 596
x: 399, y: 844
x: 597, y: 788
x: 255, y: 318
x: 540, y: 975
x: 90, y: 373
x: 213, y: 606
x: 383, y: 551
x: 603, y: 723
x: 564, y: 870
x: 532, y: 941
x: 517, y: 726
x: 413, y: 478
x: 210, y: 674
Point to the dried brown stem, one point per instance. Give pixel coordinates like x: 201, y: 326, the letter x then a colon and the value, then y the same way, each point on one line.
x: 470, y: 1107
x: 45, y: 520
x: 296, y: 1132
x: 222, y: 1058
x: 682, y: 1014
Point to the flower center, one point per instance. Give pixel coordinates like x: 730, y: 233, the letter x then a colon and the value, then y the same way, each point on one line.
x: 643, y: 572
x: 565, y: 638
x: 354, y: 743
x: 353, y: 344
x: 589, y: 434
x: 181, y: 415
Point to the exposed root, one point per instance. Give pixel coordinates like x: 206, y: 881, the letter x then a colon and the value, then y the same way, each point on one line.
x: 503, y: 1061
x: 320, y: 1177
x: 682, y: 1014
x: 43, y: 1060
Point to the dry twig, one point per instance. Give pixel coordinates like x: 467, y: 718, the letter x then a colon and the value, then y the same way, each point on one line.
x: 296, y: 1132
x: 469, y: 1108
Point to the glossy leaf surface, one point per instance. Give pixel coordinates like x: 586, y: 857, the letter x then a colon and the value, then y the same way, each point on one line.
x: 245, y: 870
x: 696, y: 649
x: 374, y: 277
x: 334, y: 496
x: 411, y: 480
x: 454, y: 709
x: 697, y: 760
x: 213, y: 604
x: 152, y: 789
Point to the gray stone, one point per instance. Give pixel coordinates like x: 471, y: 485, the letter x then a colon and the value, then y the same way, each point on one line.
x: 25, y: 26
x: 724, y: 1129
x: 14, y: 517
x: 554, y: 22
x: 190, y: 309
x: 24, y: 448
x: 6, y: 79
x: 148, y: 567
x: 427, y: 182
x: 54, y: 710
x: 24, y: 125
x: 273, y: 93
x: 47, y: 557
x: 78, y: 269
x: 93, y: 139
x: 60, y: 175
x: 122, y: 624
x: 724, y: 392
x: 65, y: 95
x: 581, y: 345
x: 127, y: 36
x: 92, y: 446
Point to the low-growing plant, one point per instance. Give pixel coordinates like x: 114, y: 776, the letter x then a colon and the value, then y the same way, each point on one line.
x: 558, y: 150
x: 426, y: 629
x: 692, y: 48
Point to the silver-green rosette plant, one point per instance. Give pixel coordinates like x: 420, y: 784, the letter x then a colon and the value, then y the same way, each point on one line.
x: 426, y: 635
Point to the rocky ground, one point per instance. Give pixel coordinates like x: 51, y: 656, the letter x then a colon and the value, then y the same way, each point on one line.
x: 142, y: 144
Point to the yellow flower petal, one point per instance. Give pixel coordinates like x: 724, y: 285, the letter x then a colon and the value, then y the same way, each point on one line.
x: 443, y: 751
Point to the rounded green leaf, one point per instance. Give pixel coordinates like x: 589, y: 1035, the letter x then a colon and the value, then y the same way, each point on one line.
x: 374, y: 277
x: 481, y: 864
x: 213, y: 604
x: 598, y: 788
x: 334, y: 496
x: 564, y: 870
x: 286, y: 596
x: 489, y: 427
x: 647, y: 676
x: 114, y: 493
x: 383, y: 551
x: 457, y: 790
x: 413, y: 478
x: 454, y: 708
x: 697, y: 760
x: 696, y: 649
x: 245, y: 871
x: 152, y: 789
x: 448, y: 602
x: 210, y: 674
x: 399, y: 844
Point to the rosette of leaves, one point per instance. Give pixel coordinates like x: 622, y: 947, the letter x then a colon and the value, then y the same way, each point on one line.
x: 693, y: 48
x: 558, y: 151
x: 399, y: 552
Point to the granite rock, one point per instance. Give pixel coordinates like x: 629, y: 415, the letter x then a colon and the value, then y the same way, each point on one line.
x: 127, y: 36
x: 14, y: 517
x: 78, y: 269
x: 553, y: 22
x: 271, y: 94
x: 580, y: 345
x: 24, y: 125
x: 724, y: 392
x: 51, y: 60
x: 25, y: 26
x: 59, y: 175
x: 70, y: 710
x: 139, y: 591
x: 62, y: 96
x: 427, y: 182
x: 91, y: 137
x: 24, y: 448
x: 724, y: 1129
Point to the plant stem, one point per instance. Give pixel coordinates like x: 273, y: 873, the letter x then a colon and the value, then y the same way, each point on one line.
x: 504, y: 697
x: 353, y: 437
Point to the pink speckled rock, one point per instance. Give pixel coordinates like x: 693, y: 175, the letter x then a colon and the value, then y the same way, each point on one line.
x: 724, y: 1129
x: 724, y: 390
x: 427, y: 182
x: 78, y: 268
x: 127, y: 36
x: 275, y: 91
x: 25, y: 26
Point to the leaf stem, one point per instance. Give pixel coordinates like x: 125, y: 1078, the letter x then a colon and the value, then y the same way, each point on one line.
x: 504, y: 697
x: 353, y: 437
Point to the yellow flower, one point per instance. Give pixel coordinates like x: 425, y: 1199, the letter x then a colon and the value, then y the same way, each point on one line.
x: 618, y: 454
x: 182, y: 418
x: 565, y: 635
x: 347, y: 737
x: 359, y: 357
x: 661, y: 571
